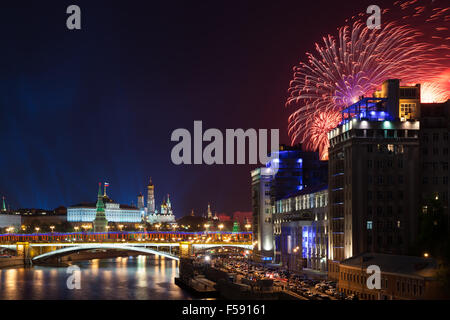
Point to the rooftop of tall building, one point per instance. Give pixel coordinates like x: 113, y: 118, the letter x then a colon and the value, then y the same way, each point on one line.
x: 398, y: 264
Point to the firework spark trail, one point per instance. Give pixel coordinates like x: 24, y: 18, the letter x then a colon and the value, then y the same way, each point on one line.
x: 354, y: 64
x: 433, y: 92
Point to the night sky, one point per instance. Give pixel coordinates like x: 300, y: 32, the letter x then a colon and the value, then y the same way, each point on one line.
x: 100, y: 104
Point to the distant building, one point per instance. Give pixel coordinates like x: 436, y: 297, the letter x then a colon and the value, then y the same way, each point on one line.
x: 150, y: 213
x: 114, y: 212
x: 290, y: 171
x: 402, y: 277
x: 165, y: 215
x: 262, y: 213
x: 243, y: 217
x: 301, y: 229
x: 10, y: 220
x: 223, y: 217
x: 209, y: 213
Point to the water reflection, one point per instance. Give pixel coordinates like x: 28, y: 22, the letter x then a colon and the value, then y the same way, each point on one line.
x: 142, y: 277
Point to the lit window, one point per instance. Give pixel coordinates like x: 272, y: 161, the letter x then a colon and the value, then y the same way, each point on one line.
x: 369, y: 225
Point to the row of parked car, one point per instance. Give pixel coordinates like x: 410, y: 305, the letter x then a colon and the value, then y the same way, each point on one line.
x: 318, y: 290
x: 309, y: 288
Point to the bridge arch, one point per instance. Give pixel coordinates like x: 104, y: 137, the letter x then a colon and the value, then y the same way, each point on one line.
x: 68, y: 250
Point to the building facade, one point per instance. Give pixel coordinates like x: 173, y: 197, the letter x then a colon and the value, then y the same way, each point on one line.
x: 164, y: 216
x: 301, y: 229
x: 262, y: 213
x: 290, y: 170
x: 150, y: 214
x: 401, y: 277
x: 113, y: 211
x: 434, y: 145
x: 10, y: 220
x: 373, y: 178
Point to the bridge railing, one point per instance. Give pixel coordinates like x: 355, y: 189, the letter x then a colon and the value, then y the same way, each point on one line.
x: 114, y: 236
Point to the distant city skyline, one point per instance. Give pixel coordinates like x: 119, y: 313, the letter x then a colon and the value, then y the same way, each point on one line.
x: 99, y: 104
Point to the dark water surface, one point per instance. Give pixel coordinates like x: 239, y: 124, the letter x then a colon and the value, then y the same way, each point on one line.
x: 123, y: 278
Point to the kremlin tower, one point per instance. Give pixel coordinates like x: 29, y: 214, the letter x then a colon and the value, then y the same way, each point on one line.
x: 209, y: 214
x: 141, y: 201
x: 150, y: 198
x: 100, y: 221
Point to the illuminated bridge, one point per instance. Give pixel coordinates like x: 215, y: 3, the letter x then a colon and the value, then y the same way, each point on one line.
x: 41, y: 246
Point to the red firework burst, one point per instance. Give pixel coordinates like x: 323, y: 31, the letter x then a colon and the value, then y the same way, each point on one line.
x: 355, y: 63
x: 322, y: 123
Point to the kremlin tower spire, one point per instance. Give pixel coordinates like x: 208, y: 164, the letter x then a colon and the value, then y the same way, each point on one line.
x: 150, y: 198
x: 4, y: 205
x: 100, y: 221
x: 209, y: 216
x: 140, y: 201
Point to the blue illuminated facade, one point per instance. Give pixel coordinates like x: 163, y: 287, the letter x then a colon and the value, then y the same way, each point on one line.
x: 301, y: 229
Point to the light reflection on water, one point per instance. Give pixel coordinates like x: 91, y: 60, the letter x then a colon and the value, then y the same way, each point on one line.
x: 137, y: 278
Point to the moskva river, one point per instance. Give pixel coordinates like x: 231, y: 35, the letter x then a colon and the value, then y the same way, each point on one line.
x: 135, y: 278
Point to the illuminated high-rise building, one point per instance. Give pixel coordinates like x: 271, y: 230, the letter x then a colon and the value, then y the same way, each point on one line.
x: 373, y: 185
x: 262, y: 213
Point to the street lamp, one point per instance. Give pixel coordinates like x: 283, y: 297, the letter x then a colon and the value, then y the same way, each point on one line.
x: 120, y: 227
x: 52, y: 228
x: 37, y: 229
